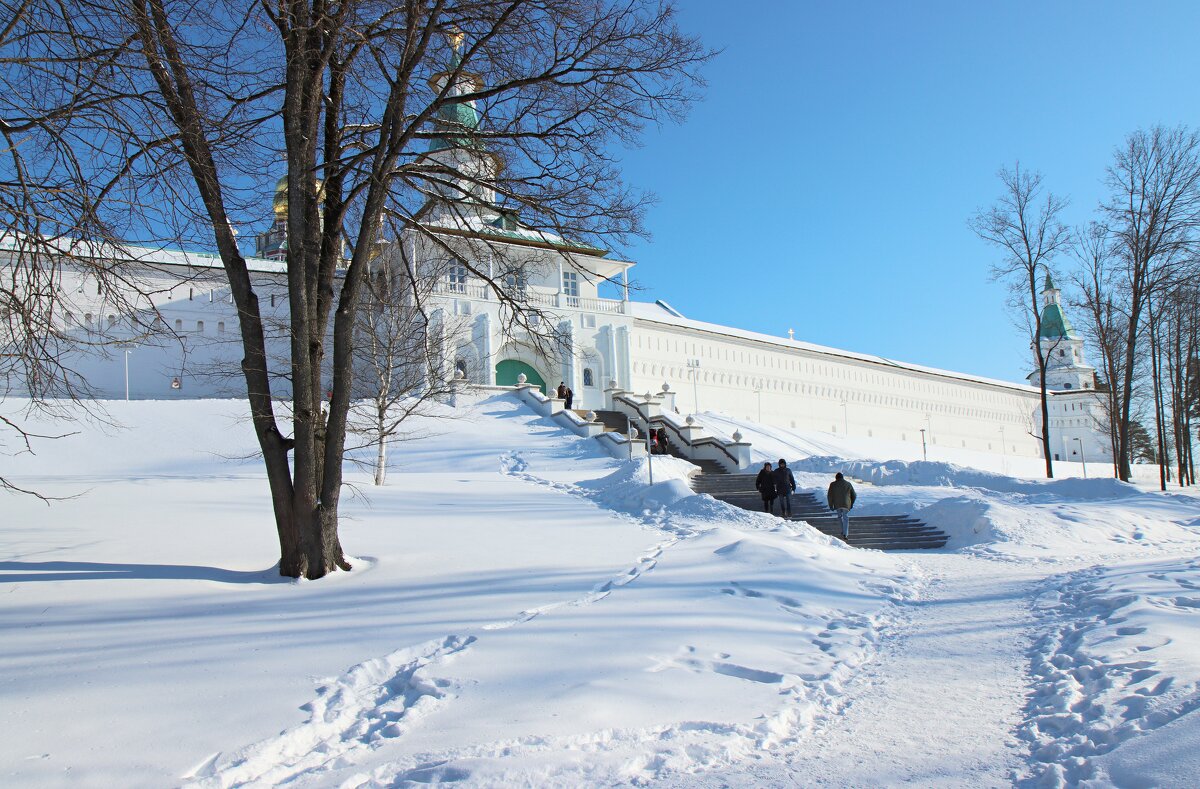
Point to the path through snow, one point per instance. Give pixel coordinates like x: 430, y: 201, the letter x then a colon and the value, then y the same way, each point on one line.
x: 941, y: 704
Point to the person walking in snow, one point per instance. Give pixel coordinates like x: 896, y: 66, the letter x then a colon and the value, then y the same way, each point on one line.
x: 785, y: 483
x: 765, y: 483
x: 840, y: 497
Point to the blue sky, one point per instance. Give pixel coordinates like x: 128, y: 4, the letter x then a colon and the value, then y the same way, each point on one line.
x: 825, y: 181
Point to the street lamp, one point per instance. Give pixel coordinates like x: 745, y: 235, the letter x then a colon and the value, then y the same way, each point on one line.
x: 693, y: 366
x: 127, y: 351
x: 1004, y: 450
x: 924, y: 451
x: 758, y: 392
x: 845, y: 418
x: 1083, y: 459
x: 649, y: 448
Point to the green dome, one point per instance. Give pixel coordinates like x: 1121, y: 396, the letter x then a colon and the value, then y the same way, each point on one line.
x: 1055, y: 325
x: 451, y: 117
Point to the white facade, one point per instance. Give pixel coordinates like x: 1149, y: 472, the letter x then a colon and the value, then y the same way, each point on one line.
x: 470, y: 253
x: 639, y: 346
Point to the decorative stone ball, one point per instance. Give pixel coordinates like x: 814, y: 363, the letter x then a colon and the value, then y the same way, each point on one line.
x: 737, y: 437
x: 522, y: 378
x: 666, y: 387
x: 612, y: 383
x: 649, y: 397
x: 691, y: 420
x: 591, y: 416
x: 459, y: 375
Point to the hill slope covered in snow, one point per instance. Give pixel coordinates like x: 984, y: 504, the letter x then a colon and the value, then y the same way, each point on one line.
x: 525, y: 610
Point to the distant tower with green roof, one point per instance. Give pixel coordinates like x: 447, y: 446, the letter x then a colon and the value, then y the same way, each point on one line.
x: 1066, y: 367
x: 469, y: 168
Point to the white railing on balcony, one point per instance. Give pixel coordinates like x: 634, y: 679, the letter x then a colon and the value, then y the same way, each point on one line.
x: 536, y: 298
x: 468, y: 290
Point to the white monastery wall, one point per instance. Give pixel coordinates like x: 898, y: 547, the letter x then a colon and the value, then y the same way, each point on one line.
x: 797, y: 385
x: 639, y: 346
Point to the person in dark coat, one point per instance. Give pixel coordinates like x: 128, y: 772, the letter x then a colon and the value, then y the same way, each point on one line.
x: 569, y: 396
x: 766, y: 488
x: 785, y: 483
x: 662, y: 441
x: 561, y: 392
x: 841, y: 497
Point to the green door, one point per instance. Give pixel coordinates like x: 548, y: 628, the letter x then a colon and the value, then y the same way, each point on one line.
x: 508, y: 370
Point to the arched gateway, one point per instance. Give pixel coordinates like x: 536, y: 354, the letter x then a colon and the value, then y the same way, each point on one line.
x: 508, y: 370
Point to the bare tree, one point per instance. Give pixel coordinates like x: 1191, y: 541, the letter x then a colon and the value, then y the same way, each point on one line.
x: 56, y: 103
x: 1025, y: 226
x: 400, y: 353
x: 1154, y: 213
x: 1180, y: 350
x: 1098, y: 287
x: 413, y: 110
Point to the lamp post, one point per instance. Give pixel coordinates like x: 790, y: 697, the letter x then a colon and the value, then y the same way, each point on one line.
x: 649, y: 433
x: 632, y: 437
x: 693, y: 366
x: 758, y: 391
x: 127, y: 375
x: 845, y: 418
x: 1004, y: 449
x: 924, y: 451
x: 1083, y: 459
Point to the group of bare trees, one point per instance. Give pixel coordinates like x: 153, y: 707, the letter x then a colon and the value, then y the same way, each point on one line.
x: 1136, y: 265
x: 156, y: 120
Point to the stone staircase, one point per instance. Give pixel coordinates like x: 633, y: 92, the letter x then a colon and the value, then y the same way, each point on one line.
x: 883, y: 532
x: 613, y: 421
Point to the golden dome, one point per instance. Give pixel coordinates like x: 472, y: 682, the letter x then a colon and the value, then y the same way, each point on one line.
x: 279, y: 202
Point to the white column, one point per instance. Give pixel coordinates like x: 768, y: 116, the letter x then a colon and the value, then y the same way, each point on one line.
x: 623, y: 373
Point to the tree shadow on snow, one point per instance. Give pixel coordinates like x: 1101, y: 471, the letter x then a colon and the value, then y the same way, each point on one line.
x: 28, y: 572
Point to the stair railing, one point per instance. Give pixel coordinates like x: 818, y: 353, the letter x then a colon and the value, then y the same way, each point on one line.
x: 734, y: 456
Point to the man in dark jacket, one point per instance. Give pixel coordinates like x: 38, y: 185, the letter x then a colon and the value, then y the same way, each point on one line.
x: 785, y: 483
x: 840, y: 497
x: 766, y: 487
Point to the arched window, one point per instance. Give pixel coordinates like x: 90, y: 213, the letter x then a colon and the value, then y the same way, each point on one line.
x: 178, y: 325
x: 200, y: 326
x: 220, y: 327
x: 461, y: 366
x: 589, y: 378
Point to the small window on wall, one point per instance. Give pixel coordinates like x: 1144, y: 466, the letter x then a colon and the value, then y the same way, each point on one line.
x: 200, y: 326
x: 570, y: 283
x: 178, y: 325
x: 1066, y: 386
x: 220, y: 327
x: 588, y: 378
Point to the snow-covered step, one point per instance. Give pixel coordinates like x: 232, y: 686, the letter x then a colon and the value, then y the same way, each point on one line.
x: 882, y: 532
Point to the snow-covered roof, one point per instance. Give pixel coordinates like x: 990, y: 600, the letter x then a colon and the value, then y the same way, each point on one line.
x: 661, y: 313
x: 157, y: 256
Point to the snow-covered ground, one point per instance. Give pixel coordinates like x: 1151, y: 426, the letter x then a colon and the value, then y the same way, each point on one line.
x: 526, y: 611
